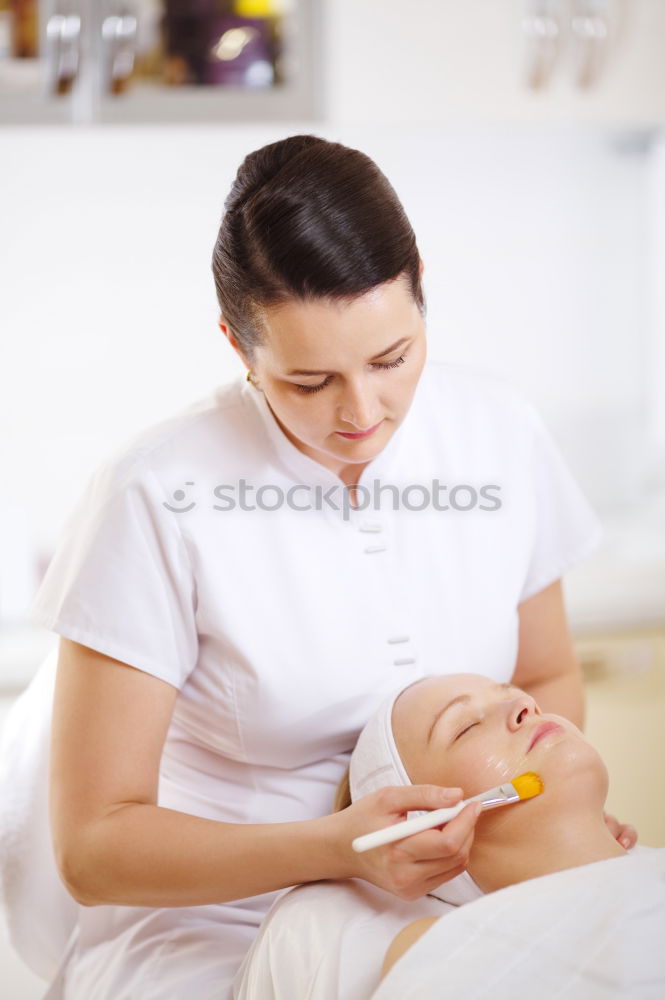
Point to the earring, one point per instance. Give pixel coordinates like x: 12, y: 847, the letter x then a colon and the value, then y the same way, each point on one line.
x: 250, y: 379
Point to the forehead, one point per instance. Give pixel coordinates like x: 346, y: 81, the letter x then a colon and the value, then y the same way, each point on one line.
x: 320, y: 328
x: 429, y: 694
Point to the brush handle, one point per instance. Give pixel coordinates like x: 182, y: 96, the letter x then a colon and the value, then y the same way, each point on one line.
x: 406, y: 828
x: 502, y: 795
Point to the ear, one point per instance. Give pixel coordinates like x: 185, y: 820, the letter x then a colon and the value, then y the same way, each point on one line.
x: 224, y: 327
x: 422, y: 267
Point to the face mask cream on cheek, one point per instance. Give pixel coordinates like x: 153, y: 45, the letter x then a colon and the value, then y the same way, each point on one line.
x: 498, y: 767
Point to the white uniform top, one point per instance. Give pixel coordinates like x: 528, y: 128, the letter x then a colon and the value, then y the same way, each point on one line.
x: 283, y: 629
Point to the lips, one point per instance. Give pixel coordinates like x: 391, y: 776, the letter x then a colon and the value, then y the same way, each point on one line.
x: 543, y: 730
x: 361, y: 434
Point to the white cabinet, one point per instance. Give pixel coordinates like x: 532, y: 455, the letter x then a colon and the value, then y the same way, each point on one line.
x: 430, y: 62
x: 132, y: 61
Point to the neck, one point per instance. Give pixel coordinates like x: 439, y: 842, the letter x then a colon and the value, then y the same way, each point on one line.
x: 350, y: 476
x: 504, y: 853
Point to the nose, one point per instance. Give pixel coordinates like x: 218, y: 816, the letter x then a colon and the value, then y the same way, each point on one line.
x: 520, y: 710
x: 358, y: 406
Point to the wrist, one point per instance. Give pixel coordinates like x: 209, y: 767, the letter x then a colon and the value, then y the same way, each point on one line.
x: 335, y: 842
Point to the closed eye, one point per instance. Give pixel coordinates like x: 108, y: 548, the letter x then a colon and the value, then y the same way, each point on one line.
x: 466, y: 730
x: 381, y: 365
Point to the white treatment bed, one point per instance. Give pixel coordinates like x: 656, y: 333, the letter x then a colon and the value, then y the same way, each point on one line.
x: 590, y: 933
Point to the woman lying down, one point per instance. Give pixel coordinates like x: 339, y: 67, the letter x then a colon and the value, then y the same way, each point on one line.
x: 553, y: 899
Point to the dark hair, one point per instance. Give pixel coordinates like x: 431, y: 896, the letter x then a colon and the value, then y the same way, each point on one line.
x: 306, y: 219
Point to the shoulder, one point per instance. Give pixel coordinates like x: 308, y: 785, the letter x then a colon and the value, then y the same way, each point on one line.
x: 404, y: 940
x: 199, y: 434
x: 468, y: 410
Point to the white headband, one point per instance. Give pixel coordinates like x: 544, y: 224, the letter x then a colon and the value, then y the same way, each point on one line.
x: 376, y: 763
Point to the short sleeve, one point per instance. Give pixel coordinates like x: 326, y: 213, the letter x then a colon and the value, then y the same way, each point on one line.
x: 565, y: 529
x: 120, y: 580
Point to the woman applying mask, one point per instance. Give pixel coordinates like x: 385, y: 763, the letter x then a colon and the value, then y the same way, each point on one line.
x: 239, y: 588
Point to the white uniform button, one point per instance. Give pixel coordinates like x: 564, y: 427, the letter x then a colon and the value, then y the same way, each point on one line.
x: 399, y: 638
x: 370, y: 526
x: 404, y: 661
x: 375, y: 548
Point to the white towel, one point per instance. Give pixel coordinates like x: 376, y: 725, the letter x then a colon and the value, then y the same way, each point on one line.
x: 376, y: 763
x: 588, y: 933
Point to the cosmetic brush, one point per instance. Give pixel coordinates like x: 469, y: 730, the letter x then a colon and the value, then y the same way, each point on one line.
x: 525, y: 787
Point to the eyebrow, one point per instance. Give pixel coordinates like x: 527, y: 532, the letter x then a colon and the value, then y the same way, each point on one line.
x: 506, y: 686
x: 303, y: 371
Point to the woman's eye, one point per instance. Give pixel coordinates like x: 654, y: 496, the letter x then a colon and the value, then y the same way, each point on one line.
x: 466, y: 729
x: 314, y: 388
x: 391, y: 364
x: 377, y: 364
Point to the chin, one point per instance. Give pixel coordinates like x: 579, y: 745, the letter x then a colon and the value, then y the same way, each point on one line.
x: 573, y: 768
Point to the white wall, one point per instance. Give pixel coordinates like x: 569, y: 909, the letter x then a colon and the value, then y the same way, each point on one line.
x: 656, y: 305
x: 432, y: 62
x: 535, y: 245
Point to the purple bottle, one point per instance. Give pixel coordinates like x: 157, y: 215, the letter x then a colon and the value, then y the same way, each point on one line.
x: 239, y: 52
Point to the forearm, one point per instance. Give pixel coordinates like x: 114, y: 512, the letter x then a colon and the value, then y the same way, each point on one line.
x: 146, y: 855
x: 562, y: 694
x: 547, y: 666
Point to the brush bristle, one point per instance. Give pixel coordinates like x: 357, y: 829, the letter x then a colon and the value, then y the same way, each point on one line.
x: 528, y: 785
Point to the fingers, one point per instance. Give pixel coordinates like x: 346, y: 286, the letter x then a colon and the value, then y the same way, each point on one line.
x: 449, y: 850
x: 451, y: 841
x: 416, y: 890
x: 407, y: 798
x: 409, y: 868
x: 627, y: 837
x: 625, y: 834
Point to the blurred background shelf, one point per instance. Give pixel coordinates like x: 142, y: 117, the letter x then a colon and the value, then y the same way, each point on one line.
x: 380, y: 61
